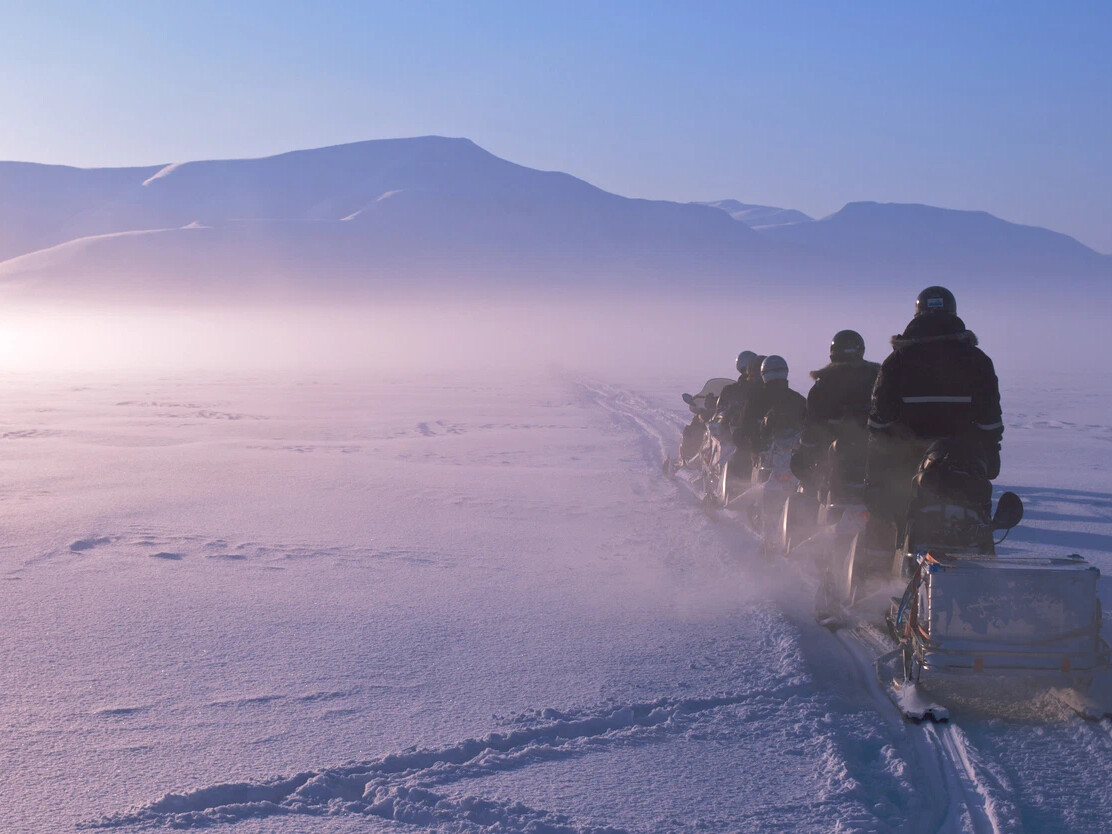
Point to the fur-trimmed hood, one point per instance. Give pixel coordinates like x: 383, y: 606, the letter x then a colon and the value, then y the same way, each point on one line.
x: 933, y: 328
x: 903, y: 341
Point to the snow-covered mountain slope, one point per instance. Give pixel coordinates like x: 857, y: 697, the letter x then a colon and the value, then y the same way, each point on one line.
x: 464, y: 604
x: 420, y: 206
x: 391, y: 214
x: 43, y: 205
x: 759, y: 217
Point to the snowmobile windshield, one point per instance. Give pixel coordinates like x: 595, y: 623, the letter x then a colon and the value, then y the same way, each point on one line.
x: 713, y: 388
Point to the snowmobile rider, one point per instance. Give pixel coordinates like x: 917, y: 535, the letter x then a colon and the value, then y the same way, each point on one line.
x: 731, y: 400
x: 691, y: 441
x: 935, y: 384
x: 837, y: 410
x: 753, y: 386
x: 775, y: 400
x: 753, y: 370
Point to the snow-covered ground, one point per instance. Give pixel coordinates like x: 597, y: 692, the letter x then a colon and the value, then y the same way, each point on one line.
x: 468, y: 603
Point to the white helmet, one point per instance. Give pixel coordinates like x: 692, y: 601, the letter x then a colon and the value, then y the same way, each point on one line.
x: 774, y: 367
x: 743, y: 360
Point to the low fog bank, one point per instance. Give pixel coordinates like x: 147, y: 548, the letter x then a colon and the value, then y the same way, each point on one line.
x: 641, y: 338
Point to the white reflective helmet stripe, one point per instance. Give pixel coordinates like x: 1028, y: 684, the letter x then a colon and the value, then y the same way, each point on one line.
x: 873, y: 424
x: 990, y: 426
x: 938, y: 399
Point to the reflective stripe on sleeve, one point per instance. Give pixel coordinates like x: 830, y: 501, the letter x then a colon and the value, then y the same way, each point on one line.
x: 873, y: 424
x: 938, y: 399
x: 990, y: 426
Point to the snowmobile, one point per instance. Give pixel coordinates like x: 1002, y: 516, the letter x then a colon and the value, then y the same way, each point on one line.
x: 720, y: 482
x: 834, y: 511
x: 822, y: 524
x: 703, y: 403
x: 773, y: 481
x: 968, y: 615
x: 712, y: 453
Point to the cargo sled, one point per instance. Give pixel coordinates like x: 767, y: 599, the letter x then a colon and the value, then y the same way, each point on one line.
x: 971, y: 616
x: 966, y: 616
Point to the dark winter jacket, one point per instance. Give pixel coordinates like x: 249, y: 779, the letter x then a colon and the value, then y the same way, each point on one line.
x: 937, y: 383
x: 731, y: 402
x: 772, y: 398
x: 839, y: 399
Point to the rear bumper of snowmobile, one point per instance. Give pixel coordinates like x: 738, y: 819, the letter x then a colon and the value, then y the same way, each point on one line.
x: 1062, y: 666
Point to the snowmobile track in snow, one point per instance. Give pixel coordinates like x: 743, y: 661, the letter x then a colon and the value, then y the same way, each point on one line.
x: 966, y: 780
x: 399, y: 786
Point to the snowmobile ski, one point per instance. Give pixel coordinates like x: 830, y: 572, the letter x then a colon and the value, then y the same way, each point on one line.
x: 908, y: 697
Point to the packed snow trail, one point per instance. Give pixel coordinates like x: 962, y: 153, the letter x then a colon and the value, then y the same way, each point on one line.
x: 976, y: 800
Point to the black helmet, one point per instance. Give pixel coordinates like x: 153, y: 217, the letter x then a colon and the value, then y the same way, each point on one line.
x: 847, y: 345
x: 753, y: 369
x: 935, y: 298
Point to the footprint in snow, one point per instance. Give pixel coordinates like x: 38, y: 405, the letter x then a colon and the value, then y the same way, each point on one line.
x: 119, y: 712
x: 175, y: 557
x: 89, y: 543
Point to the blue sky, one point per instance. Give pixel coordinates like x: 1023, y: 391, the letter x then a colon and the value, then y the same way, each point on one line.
x: 1002, y: 106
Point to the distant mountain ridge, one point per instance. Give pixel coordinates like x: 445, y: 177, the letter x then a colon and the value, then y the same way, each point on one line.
x: 406, y: 212
x: 919, y: 233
